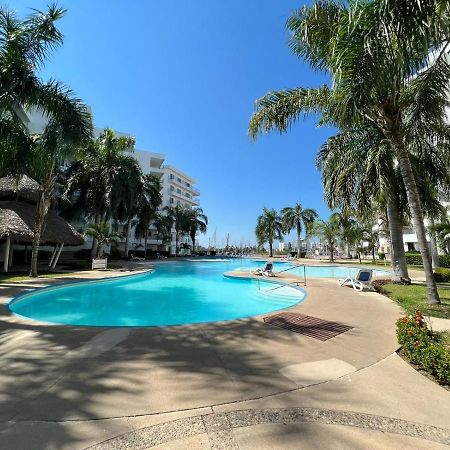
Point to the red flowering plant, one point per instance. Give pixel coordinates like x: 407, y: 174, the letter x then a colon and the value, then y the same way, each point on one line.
x: 414, y: 336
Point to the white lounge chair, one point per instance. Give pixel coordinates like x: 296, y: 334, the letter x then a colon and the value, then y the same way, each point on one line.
x: 363, y: 279
x: 136, y: 258
x: 266, y: 271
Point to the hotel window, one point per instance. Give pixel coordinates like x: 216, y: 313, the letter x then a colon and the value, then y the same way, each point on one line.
x: 188, y: 184
x: 172, y: 188
x: 171, y: 199
x: 179, y: 180
x: 179, y: 191
x: 172, y: 176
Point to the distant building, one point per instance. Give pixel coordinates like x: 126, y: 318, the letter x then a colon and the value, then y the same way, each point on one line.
x: 178, y: 188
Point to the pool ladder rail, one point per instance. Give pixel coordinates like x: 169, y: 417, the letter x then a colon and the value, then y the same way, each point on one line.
x: 297, y: 282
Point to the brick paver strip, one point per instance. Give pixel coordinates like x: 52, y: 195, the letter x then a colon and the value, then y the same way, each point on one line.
x: 307, y: 325
x: 219, y: 427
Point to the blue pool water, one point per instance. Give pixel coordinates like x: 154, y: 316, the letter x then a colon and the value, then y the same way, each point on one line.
x: 176, y: 293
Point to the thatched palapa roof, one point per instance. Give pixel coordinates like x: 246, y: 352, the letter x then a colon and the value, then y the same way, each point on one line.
x: 24, y: 187
x: 17, y: 222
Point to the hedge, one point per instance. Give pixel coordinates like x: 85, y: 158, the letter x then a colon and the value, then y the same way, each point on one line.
x: 415, y: 258
x: 428, y: 350
x: 441, y: 274
x: 444, y: 261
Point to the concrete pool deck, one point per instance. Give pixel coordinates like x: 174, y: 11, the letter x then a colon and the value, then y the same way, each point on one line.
x: 237, y: 384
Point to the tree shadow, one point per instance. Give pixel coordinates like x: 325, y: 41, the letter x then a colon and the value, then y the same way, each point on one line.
x: 56, y: 373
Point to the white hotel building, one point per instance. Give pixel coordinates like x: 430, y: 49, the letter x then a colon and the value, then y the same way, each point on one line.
x: 178, y: 188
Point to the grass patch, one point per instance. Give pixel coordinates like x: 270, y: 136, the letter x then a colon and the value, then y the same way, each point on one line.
x: 414, y: 297
x: 370, y: 263
x: 20, y: 277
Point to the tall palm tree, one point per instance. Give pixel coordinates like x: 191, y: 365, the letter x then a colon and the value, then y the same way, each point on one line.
x: 24, y: 47
x: 329, y: 230
x: 148, y: 204
x: 269, y: 227
x: 378, y: 57
x: 180, y: 217
x: 126, y: 196
x: 198, y: 222
x: 299, y: 218
x: 49, y: 151
x: 96, y: 173
x: 163, y: 225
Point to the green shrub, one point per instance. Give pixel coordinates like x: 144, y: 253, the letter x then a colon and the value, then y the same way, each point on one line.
x: 381, y: 256
x: 413, y: 258
x: 441, y: 274
x: 423, y: 348
x: 444, y: 261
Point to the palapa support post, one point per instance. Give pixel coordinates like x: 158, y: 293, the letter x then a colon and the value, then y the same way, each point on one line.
x: 7, y: 248
x: 11, y: 251
x: 58, y: 255
x: 52, y: 258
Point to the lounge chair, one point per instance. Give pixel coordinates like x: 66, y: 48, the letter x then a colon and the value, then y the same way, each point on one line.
x: 266, y: 271
x: 136, y: 258
x: 363, y: 279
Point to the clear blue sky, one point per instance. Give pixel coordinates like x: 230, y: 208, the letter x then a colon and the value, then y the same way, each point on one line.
x: 182, y: 76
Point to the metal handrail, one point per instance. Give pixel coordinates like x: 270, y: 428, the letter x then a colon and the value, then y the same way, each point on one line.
x: 283, y: 285
x: 294, y: 267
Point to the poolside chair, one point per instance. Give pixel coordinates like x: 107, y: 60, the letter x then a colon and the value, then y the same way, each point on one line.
x: 136, y: 258
x: 363, y: 279
x: 266, y: 271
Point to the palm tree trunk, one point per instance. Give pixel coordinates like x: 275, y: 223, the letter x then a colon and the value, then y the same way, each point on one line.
x: 176, y: 243
x: 434, y: 246
x: 299, y: 231
x: 332, y: 251
x: 41, y: 212
x: 415, y: 207
x: 270, y: 249
x: 94, y: 248
x: 127, y: 238
x: 145, y: 244
x: 193, y: 244
x: 398, y: 259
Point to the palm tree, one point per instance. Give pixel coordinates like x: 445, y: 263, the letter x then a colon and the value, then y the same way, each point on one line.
x: 24, y: 48
x: 198, y: 222
x: 102, y: 234
x: 298, y: 218
x: 269, y: 227
x: 378, y: 57
x: 127, y: 195
x: 101, y: 165
x: 329, y: 230
x: 180, y: 217
x: 148, y: 203
x: 163, y: 225
x: 443, y: 235
x: 25, y: 45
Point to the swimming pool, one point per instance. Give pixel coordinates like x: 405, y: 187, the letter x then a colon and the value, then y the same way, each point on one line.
x: 177, y: 292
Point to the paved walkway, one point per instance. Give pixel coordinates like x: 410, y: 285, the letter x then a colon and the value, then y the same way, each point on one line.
x: 238, y: 384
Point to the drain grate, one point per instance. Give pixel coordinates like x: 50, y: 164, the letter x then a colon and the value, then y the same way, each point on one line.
x: 307, y: 325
